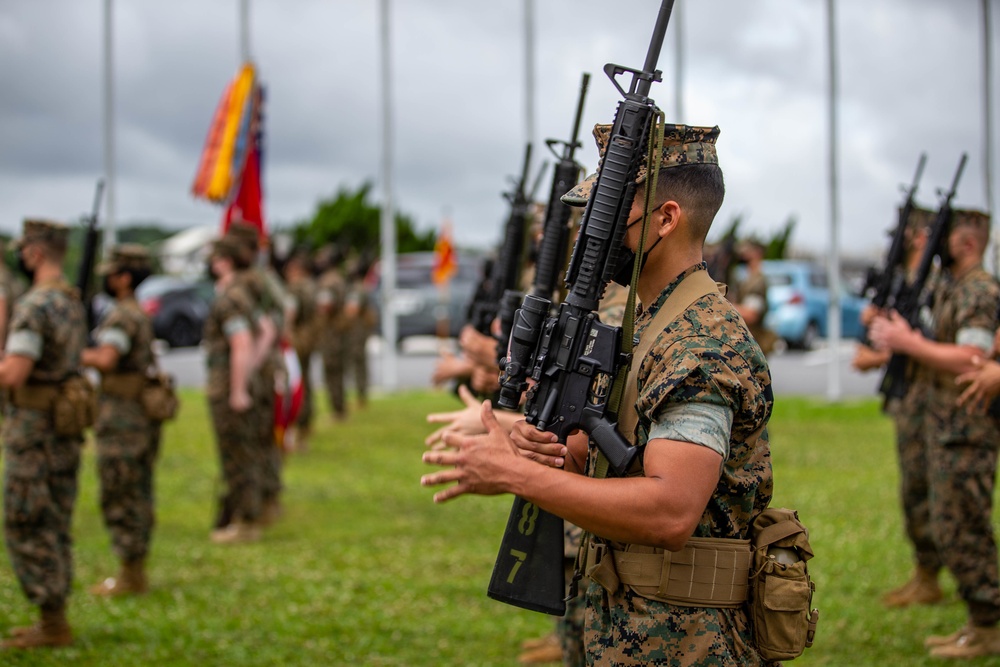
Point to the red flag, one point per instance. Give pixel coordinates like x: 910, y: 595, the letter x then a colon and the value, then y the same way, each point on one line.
x: 246, y: 205
x: 445, y: 262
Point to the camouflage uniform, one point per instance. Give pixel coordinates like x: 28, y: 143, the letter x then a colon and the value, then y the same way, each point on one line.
x: 330, y: 298
x: 232, y: 312
x: 127, y: 441
x: 305, y: 331
x: 961, y: 449
x: 754, y: 289
x: 359, y: 328
x: 40, y: 482
x: 706, y: 357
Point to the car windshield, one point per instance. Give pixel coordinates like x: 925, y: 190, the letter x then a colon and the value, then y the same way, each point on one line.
x: 155, y: 286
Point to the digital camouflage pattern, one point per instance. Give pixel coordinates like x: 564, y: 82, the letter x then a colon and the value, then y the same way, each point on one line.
x: 909, y: 414
x: 305, y: 335
x: 237, y: 435
x: 359, y: 328
x: 331, y: 298
x: 682, y: 145
x: 127, y: 441
x: 755, y: 285
x: 705, y: 356
x: 961, y: 452
x: 40, y: 470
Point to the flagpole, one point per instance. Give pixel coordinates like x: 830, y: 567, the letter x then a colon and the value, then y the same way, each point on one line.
x: 244, y: 31
x: 109, y: 128
x: 387, y: 227
x: 833, y: 268
x: 529, y: 71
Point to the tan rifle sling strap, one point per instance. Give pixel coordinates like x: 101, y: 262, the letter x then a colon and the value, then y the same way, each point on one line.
x: 695, y: 286
x: 708, y: 572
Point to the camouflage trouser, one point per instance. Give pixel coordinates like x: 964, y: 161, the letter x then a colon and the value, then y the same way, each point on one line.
x: 962, y: 477
x: 626, y: 629
x: 239, y: 452
x: 39, y: 492
x: 357, y: 360
x: 270, y: 455
x: 305, y: 416
x: 127, y: 446
x: 333, y: 352
x: 911, y: 423
x: 569, y: 626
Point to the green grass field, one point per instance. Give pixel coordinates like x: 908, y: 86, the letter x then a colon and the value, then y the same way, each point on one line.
x: 365, y: 570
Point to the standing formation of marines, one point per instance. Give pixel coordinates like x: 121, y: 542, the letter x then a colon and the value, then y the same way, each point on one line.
x: 47, y: 372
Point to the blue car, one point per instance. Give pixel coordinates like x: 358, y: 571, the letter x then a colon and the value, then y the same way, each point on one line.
x: 798, y: 300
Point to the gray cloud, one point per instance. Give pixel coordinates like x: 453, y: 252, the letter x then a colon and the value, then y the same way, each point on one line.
x: 910, y: 81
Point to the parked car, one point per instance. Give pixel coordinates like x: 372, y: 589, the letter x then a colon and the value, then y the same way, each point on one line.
x: 798, y: 299
x: 420, y: 303
x: 177, y: 306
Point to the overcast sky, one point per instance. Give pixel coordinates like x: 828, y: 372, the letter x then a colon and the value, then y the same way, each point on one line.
x: 910, y: 78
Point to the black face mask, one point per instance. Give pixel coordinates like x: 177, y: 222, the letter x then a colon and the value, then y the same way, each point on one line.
x: 23, y: 268
x: 626, y: 261
x: 209, y: 273
x: 107, y: 287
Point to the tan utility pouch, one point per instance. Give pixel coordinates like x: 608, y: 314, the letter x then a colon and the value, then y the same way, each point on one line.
x: 123, y: 385
x: 780, y: 589
x: 158, y: 397
x: 35, y: 396
x: 707, y: 572
x: 75, y: 407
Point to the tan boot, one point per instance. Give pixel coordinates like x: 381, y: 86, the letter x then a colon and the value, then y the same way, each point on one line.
x: 238, y: 532
x: 974, y: 642
x: 543, y: 654
x: 944, y: 640
x: 51, y: 630
x: 922, y: 588
x: 271, y: 512
x: 131, y: 580
x: 538, y: 642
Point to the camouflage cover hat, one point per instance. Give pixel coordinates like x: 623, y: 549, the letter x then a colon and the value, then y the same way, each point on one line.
x: 126, y: 257
x: 228, y: 246
x: 967, y: 216
x: 682, y: 145
x: 245, y: 233
x: 44, y: 231
x: 919, y: 218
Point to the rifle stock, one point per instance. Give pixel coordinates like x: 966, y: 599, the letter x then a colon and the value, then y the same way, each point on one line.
x: 911, y: 295
x: 576, y: 357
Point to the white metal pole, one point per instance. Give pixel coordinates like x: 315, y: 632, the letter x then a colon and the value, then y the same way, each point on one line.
x: 989, y: 156
x: 833, y: 266
x: 387, y: 226
x: 529, y: 71
x: 244, y: 31
x: 109, y: 128
x: 678, y: 20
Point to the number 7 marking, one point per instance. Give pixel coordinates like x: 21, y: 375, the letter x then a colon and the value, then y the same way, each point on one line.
x: 520, y: 556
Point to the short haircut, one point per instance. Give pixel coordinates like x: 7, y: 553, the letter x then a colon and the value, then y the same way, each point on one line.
x: 698, y: 188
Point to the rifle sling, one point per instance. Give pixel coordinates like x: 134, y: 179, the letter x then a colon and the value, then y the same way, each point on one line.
x: 693, y: 287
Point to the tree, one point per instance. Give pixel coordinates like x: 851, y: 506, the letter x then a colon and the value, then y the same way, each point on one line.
x: 351, y: 222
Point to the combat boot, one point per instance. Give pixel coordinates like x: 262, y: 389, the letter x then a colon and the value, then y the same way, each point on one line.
x: 131, y: 580
x: 543, y: 654
x: 922, y: 588
x: 971, y: 642
x: 237, y: 532
x: 51, y: 630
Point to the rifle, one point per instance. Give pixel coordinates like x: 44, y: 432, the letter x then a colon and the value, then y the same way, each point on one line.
x: 90, y: 240
x: 910, y: 297
x: 555, y: 230
x: 573, y: 357
x: 886, y: 284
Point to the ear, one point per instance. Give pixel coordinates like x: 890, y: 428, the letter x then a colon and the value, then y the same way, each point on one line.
x: 668, y: 217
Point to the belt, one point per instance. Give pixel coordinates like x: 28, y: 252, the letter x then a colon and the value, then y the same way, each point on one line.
x: 707, y: 572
